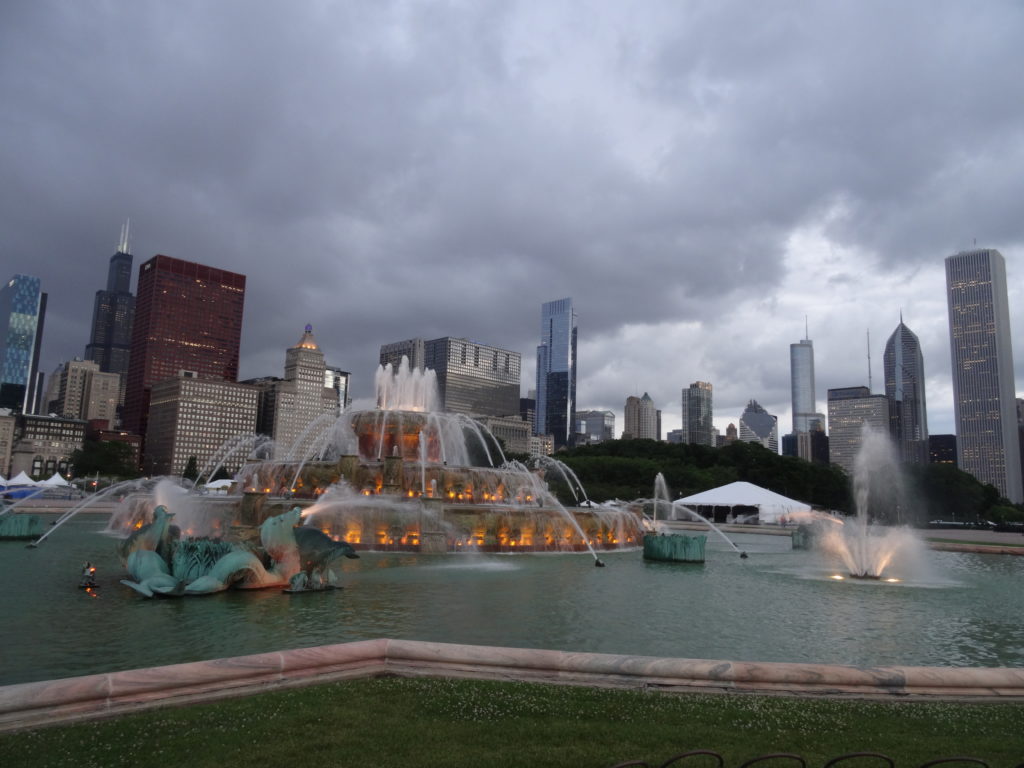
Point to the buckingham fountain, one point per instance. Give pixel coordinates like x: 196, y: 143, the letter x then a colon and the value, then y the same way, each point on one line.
x: 402, y: 477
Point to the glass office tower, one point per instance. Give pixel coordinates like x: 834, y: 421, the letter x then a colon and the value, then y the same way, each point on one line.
x: 22, y: 310
x: 904, y: 386
x: 556, y: 372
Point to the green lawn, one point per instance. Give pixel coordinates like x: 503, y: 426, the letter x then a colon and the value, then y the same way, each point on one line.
x: 437, y: 723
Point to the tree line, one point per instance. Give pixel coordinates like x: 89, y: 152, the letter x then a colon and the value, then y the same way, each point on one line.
x: 626, y: 469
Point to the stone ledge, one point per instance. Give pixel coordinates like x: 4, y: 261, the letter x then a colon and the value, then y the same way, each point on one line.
x: 29, y: 705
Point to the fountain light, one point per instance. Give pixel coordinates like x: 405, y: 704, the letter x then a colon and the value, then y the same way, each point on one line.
x: 837, y: 577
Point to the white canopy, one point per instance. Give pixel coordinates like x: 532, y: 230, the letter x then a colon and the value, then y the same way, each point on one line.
x: 770, y: 505
x: 56, y: 481
x: 21, y: 479
x: 3, y: 480
x: 217, y: 485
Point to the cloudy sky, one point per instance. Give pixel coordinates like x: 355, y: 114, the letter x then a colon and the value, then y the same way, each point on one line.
x: 698, y: 176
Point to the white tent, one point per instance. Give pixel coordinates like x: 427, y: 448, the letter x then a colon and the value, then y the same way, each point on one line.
x: 3, y: 480
x: 56, y: 481
x: 219, y: 486
x: 21, y: 479
x: 737, y: 499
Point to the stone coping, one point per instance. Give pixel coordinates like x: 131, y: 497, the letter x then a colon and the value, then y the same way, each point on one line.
x: 28, y: 705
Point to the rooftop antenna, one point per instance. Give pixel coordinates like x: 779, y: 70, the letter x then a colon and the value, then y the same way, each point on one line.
x: 869, y: 360
x: 122, y: 246
x: 807, y: 335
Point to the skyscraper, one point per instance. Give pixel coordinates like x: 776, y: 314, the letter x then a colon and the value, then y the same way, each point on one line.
x: 188, y: 317
x: 904, y: 386
x: 556, y: 372
x: 759, y: 426
x: 287, y: 407
x: 192, y: 416
x: 22, y: 311
x: 113, y: 312
x: 849, y: 409
x: 801, y: 372
x: 698, y: 426
x: 641, y: 419
x: 982, y: 360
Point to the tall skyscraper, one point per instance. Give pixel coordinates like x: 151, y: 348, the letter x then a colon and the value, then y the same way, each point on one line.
x: 698, y: 426
x: 472, y: 378
x: 641, y: 419
x: 801, y: 373
x: 759, y: 426
x: 849, y: 409
x: 984, y: 394
x: 556, y: 372
x: 188, y: 317
x: 904, y: 386
x: 22, y: 311
x: 110, y: 341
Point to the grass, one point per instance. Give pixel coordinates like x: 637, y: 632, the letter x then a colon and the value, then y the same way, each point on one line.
x: 452, y: 723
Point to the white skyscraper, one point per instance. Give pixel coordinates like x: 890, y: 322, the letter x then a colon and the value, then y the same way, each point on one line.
x: 801, y: 371
x: 983, y: 385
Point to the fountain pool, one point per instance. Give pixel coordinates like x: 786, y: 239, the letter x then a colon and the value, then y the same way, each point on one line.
x: 778, y: 605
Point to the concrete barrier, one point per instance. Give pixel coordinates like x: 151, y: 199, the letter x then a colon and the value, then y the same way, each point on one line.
x: 30, y: 705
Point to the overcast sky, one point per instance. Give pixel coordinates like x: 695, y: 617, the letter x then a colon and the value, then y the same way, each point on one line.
x: 698, y: 176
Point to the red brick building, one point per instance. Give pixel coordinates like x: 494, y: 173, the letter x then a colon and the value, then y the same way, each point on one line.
x: 188, y: 317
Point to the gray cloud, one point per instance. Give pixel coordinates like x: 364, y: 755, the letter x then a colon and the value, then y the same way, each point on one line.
x: 387, y: 169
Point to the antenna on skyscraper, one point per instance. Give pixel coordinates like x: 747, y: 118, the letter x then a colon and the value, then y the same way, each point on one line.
x: 122, y: 247
x: 807, y: 334
x: 869, y: 360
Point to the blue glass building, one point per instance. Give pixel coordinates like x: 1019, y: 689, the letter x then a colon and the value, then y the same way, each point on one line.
x: 22, y: 309
x: 556, y: 372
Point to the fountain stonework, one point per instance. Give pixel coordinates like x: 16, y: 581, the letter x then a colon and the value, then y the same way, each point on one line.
x: 401, y: 477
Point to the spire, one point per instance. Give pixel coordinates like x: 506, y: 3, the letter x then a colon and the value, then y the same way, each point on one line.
x: 122, y: 245
x: 869, y: 359
x: 307, y: 341
x: 807, y: 333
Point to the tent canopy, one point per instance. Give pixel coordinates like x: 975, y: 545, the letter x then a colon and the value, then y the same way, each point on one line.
x: 770, y: 505
x: 56, y: 481
x: 21, y: 479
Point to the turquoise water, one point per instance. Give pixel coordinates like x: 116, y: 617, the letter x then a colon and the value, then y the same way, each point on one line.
x: 777, y: 605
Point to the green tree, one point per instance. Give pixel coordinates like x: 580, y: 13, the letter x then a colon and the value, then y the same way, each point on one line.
x: 191, y: 469
x: 105, y: 458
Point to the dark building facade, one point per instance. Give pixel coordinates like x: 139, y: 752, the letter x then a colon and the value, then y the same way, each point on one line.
x: 188, y: 317
x: 556, y: 372
x: 110, y: 341
x: 904, y: 386
x: 942, y: 449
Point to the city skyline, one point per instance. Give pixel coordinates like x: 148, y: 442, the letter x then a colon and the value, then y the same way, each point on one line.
x: 698, y: 178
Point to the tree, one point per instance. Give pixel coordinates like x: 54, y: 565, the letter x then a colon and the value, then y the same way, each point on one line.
x: 191, y: 469
x: 105, y: 458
